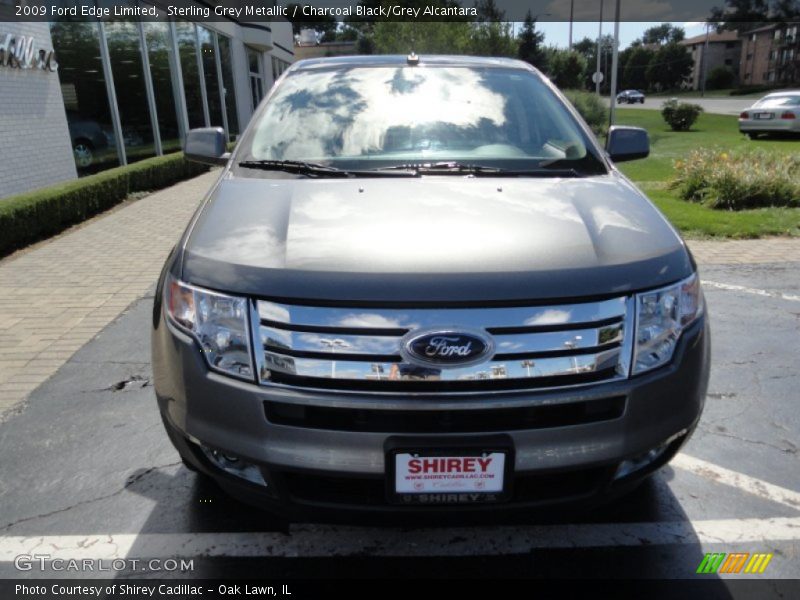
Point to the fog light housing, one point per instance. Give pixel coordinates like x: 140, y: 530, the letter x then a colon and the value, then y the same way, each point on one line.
x: 233, y: 465
x: 642, y: 461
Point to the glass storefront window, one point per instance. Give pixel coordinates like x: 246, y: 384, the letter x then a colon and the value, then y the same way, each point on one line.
x: 208, y: 56
x: 226, y: 60
x: 160, y: 57
x: 187, y: 47
x: 278, y: 67
x: 204, y: 59
x: 83, y: 86
x: 256, y: 78
x: 128, y: 74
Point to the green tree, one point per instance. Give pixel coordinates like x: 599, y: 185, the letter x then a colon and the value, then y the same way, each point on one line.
x: 720, y: 78
x: 587, y: 47
x: 492, y: 39
x: 365, y: 44
x: 325, y: 26
x: 488, y: 11
x: 669, y: 67
x: 786, y: 10
x: 566, y: 68
x: 443, y: 37
x: 663, y: 34
x: 360, y: 29
x: 634, y: 74
x: 737, y: 13
x: 490, y: 35
x: 531, y: 42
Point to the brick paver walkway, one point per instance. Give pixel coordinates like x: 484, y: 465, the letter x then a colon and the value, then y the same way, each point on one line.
x: 738, y: 252
x: 55, y: 298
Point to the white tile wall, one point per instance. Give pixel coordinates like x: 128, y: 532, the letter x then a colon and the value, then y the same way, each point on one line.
x: 35, y: 148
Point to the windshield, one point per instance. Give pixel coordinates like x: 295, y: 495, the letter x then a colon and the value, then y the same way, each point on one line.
x: 777, y: 101
x: 379, y: 117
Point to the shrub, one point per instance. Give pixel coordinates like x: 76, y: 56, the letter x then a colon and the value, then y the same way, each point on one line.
x: 719, y: 78
x: 738, y: 179
x: 591, y: 109
x: 680, y: 115
x: 566, y: 67
x: 35, y: 215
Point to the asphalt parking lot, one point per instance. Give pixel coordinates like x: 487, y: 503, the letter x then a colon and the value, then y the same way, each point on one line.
x: 87, y: 471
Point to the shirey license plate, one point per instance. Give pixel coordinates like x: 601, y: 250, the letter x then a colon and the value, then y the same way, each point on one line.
x: 450, y: 478
x: 764, y: 115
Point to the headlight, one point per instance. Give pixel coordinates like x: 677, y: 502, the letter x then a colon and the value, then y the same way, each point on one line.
x: 661, y: 316
x: 217, y: 321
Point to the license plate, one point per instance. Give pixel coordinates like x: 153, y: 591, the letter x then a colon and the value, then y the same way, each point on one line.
x: 764, y: 115
x: 449, y: 477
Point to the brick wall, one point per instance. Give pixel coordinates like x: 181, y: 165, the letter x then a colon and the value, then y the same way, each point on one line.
x: 35, y: 140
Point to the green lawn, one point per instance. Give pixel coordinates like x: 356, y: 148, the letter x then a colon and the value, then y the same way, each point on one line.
x: 653, y: 173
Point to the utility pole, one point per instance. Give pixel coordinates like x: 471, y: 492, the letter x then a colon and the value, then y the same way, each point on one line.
x: 614, y: 62
x: 704, y: 62
x: 571, y: 15
x: 599, y: 48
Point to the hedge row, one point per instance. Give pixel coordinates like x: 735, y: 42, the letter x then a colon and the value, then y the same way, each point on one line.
x: 36, y: 215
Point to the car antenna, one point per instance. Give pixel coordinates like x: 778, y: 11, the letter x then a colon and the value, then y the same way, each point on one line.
x: 412, y: 58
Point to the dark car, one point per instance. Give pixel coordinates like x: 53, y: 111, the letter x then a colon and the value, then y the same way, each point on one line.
x: 420, y: 286
x: 630, y: 97
x: 87, y: 138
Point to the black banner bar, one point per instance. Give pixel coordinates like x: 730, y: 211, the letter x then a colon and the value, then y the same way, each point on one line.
x: 251, y: 11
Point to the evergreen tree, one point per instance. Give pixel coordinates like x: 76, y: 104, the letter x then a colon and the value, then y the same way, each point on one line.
x: 531, y: 42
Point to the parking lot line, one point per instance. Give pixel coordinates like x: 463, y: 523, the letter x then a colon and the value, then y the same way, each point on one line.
x: 751, y: 485
x: 320, y: 541
x: 748, y: 290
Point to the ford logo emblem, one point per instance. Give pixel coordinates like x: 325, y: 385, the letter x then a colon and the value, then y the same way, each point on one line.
x: 447, y: 348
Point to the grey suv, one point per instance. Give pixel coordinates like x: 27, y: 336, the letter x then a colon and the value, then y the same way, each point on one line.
x: 419, y: 285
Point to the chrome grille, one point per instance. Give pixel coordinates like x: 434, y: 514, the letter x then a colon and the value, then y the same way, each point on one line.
x: 358, y: 349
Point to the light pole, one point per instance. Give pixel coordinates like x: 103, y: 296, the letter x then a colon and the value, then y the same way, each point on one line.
x: 704, y: 62
x: 614, y: 62
x: 333, y: 345
x: 377, y: 368
x: 571, y: 345
x: 571, y: 15
x: 527, y: 364
x: 599, y: 50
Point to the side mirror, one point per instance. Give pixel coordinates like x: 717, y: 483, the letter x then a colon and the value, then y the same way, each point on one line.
x: 206, y: 145
x: 627, y: 143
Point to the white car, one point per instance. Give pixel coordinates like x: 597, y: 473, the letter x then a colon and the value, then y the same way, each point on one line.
x: 778, y: 112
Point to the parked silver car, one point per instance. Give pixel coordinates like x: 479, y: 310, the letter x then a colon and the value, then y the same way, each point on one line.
x: 778, y: 112
x: 419, y: 285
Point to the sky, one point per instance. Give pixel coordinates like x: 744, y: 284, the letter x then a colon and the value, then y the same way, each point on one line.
x: 557, y: 33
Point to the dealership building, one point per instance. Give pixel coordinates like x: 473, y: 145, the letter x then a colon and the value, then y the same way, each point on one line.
x: 80, y: 97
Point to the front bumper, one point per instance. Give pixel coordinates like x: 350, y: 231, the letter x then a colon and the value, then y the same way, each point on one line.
x: 324, y: 469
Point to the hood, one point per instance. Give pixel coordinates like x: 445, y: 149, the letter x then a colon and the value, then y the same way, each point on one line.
x: 437, y: 238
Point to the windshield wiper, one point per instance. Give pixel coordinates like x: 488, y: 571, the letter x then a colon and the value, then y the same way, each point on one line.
x: 312, y: 169
x: 456, y: 168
